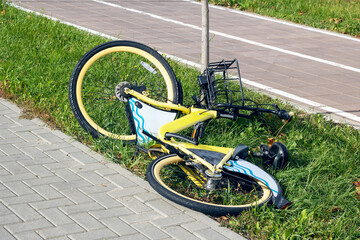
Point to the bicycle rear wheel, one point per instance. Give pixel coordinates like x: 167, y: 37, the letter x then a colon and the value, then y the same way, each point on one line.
x: 181, y: 183
x: 106, y: 67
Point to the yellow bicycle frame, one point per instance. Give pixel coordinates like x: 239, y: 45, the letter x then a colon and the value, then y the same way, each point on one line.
x: 193, y: 116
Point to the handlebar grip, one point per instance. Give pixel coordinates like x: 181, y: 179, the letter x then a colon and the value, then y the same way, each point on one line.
x: 282, y: 114
x: 229, y: 116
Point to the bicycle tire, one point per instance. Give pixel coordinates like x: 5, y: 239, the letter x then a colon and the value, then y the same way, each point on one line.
x: 95, y: 77
x: 158, y: 175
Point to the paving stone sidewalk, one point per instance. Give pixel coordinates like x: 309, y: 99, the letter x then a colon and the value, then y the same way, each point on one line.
x: 52, y: 187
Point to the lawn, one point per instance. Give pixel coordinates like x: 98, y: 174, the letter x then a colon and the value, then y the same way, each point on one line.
x: 335, y: 15
x: 37, y: 58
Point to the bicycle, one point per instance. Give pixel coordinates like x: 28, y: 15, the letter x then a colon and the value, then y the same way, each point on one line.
x: 126, y: 90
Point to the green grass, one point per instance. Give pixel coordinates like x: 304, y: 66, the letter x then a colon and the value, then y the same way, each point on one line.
x: 335, y: 15
x: 37, y: 57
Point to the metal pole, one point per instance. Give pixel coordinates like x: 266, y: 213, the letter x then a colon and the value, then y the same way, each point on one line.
x: 205, y: 34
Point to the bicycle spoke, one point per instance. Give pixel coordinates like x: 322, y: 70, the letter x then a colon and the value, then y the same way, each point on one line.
x: 230, y: 190
x: 92, y: 96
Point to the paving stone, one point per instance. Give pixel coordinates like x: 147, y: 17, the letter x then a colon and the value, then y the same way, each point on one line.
x: 120, y: 181
x: 76, y: 196
x: 62, y: 165
x: 61, y: 135
x: 4, y: 210
x: 28, y: 137
x: 6, y: 193
x: 142, y: 217
x: 19, y: 188
x: 84, y: 207
x: 2, y: 187
x: 33, y: 152
x: 11, y: 106
x: 210, y: 234
x: 118, y: 226
x: 25, y: 212
x: 105, y: 200
x: 37, y: 181
x: 27, y: 176
x: 100, y: 158
x: 195, y: 226
x: 14, y: 168
x: 28, y: 225
x: 26, y: 162
x: 137, y: 236
x: 9, y: 149
x: 2, y: 154
x: 70, y: 185
x: 94, y: 235
x: 60, y: 238
x: 59, y: 155
x: 131, y: 191
x: 47, y: 192
x: 163, y: 207
x: 4, y: 119
x: 147, y: 196
x: 82, y: 158
x: 55, y: 146
x: 134, y: 205
x: 151, y: 231
x: 101, y: 188
x: 173, y: 220
x: 86, y: 221
x: 80, y: 146
x: 21, y: 129
x: 38, y: 122
x: 55, y: 216
x: 91, y: 167
x: 61, y: 230
x: 70, y: 148
x: 24, y: 145
x: 40, y: 171
x: 178, y: 232
x: 5, y: 235
x: 106, y: 171
x: 11, y: 141
x: 48, y: 136
x: 23, y: 122
x: 6, y: 133
x: 93, y: 178
x: 58, y: 202
x: 21, y: 199
x: 112, y: 212
x: 30, y: 235
x: 7, y: 113
x: 119, y: 169
x: 9, y: 219
x: 8, y: 124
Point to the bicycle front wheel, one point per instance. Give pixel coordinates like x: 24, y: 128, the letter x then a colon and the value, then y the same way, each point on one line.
x: 183, y: 184
x: 96, y: 76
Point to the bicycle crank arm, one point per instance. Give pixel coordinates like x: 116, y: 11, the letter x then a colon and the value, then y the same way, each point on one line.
x: 167, y: 146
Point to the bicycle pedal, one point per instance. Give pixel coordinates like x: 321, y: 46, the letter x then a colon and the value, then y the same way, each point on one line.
x: 155, y: 151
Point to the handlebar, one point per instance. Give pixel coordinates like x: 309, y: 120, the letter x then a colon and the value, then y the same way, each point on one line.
x: 233, y: 115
